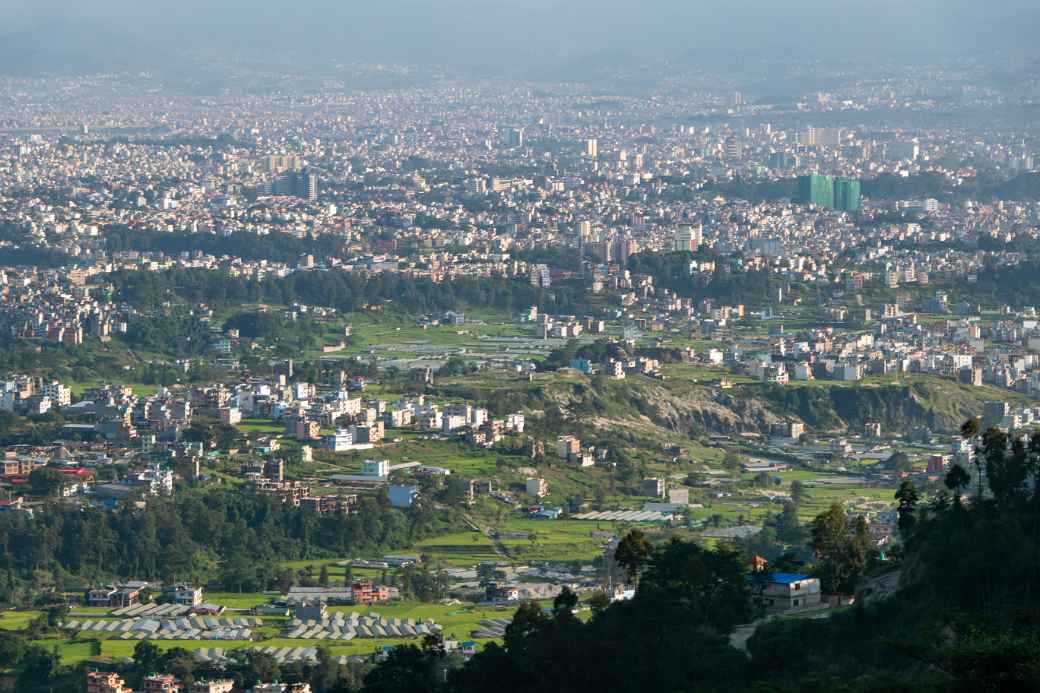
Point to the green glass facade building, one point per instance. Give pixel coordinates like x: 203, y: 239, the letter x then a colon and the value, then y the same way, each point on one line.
x: 846, y: 194
x: 817, y: 190
x: 829, y: 192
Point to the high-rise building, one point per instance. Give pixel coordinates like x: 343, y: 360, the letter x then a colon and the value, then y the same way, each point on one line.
x: 592, y: 147
x: 515, y: 137
x: 540, y: 276
x: 847, y: 194
x: 817, y: 190
x: 626, y: 247
x: 303, y: 184
x: 309, y: 190
x: 687, y: 239
x: 276, y: 163
x: 821, y: 137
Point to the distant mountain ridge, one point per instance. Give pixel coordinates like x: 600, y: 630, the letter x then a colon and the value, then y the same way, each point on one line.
x: 71, y: 48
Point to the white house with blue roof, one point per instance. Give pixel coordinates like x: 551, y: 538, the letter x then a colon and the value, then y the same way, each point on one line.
x: 788, y: 591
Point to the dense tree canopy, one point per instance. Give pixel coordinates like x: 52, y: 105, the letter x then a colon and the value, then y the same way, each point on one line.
x: 229, y: 540
x: 346, y: 291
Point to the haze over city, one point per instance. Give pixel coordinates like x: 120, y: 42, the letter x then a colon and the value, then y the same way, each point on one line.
x: 527, y: 347
x: 518, y: 36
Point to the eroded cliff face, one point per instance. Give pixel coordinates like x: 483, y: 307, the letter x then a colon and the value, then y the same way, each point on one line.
x: 692, y: 408
x: 700, y: 409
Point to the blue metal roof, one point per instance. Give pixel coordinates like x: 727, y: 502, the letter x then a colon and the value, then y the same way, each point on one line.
x: 787, y: 578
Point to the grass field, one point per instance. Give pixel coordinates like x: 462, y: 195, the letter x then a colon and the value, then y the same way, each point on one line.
x: 139, y: 389
x: 260, y: 427
x: 399, y: 336
x: 232, y: 600
x: 16, y: 620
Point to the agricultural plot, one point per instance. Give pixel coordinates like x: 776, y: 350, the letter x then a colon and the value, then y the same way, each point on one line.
x: 461, y: 549
x: 459, y: 622
x: 347, y: 626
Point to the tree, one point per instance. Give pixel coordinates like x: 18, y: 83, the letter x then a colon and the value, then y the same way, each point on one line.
x: 329, y: 673
x: 488, y: 573
x: 12, y: 648
x: 1006, y: 465
x: 957, y: 479
x: 598, y: 601
x: 455, y: 492
x: 899, y: 462
x: 706, y: 587
x: 633, y: 552
x: 969, y: 431
x: 797, y: 492
x: 423, y: 583
x: 39, y: 667
x: 56, y: 615
x: 179, y: 662
x: 564, y: 604
x: 407, y: 668
x: 527, y: 621
x: 260, y: 666
x: 907, y: 497
x: 455, y: 366
x: 46, y: 482
x: 841, y: 556
x: 788, y: 563
x: 146, y: 656
x: 731, y: 462
x: 788, y: 527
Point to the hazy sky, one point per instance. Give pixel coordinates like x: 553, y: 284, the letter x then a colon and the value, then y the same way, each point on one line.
x: 504, y: 32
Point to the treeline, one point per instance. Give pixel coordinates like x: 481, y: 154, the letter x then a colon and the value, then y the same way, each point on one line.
x: 182, y: 333
x: 754, y: 190
x: 672, y: 271
x: 1018, y: 285
x: 290, y: 336
x: 274, y: 247
x: 178, y: 333
x: 345, y: 291
x: 33, y: 256
x: 889, y: 186
x: 18, y: 250
x: 227, y: 540
x: 97, y: 362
